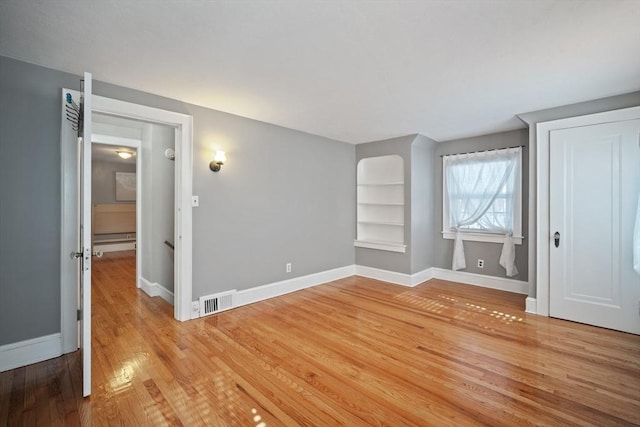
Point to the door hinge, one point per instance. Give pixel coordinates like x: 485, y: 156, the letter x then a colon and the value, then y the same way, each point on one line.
x: 79, y: 314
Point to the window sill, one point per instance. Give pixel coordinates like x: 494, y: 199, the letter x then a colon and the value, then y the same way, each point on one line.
x: 481, y: 237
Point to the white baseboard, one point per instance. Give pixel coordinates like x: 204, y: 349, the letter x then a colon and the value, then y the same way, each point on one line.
x: 259, y: 293
x: 501, y: 283
x: 421, y: 276
x: 531, y: 305
x: 383, y: 275
x: 394, y: 277
x: 30, y: 351
x: 156, y: 290
x: 115, y: 247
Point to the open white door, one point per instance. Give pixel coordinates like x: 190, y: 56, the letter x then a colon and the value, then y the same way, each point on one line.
x: 594, y: 186
x: 75, y: 211
x: 84, y: 253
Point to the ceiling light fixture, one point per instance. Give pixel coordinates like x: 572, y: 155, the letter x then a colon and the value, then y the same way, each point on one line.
x: 125, y: 154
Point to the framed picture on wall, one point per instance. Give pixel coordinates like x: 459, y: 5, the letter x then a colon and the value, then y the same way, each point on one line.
x: 125, y: 186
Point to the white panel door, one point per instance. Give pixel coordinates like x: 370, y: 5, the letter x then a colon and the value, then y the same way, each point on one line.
x: 85, y: 237
x: 594, y: 188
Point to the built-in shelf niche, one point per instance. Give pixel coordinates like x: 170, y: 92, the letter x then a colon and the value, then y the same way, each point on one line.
x: 380, y: 200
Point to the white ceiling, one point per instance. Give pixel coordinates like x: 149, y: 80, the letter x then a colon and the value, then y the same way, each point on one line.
x: 123, y: 127
x: 108, y: 153
x: 355, y: 71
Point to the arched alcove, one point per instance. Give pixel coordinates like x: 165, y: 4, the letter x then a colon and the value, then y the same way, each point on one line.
x: 380, y: 203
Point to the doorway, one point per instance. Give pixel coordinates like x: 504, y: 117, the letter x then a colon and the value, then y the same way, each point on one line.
x: 151, y: 195
x: 594, y: 171
x: 589, y: 165
x: 114, y: 198
x: 180, y: 126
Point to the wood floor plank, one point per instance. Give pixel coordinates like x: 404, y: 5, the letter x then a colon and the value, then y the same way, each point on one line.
x: 392, y: 358
x: 6, y: 386
x: 389, y: 357
x: 351, y: 352
x: 16, y: 397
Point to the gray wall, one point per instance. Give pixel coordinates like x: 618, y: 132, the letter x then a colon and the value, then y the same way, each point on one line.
x: 385, y: 260
x: 423, y: 230
x: 423, y: 206
x: 30, y: 99
x: 489, y: 252
x: 158, y: 174
x: 417, y: 152
x: 283, y: 196
x: 103, y: 185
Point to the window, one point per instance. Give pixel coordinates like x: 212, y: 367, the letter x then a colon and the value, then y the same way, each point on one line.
x: 482, y: 201
x: 482, y: 195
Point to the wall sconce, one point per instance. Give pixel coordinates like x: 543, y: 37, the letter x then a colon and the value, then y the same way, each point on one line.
x: 124, y: 154
x: 218, y: 161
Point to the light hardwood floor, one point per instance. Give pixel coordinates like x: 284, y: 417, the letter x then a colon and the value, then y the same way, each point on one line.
x: 351, y: 352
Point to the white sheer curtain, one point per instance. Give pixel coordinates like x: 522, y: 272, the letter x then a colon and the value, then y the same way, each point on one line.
x: 481, y: 193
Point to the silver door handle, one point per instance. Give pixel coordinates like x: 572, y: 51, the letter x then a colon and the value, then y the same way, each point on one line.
x: 74, y: 255
x: 556, y: 239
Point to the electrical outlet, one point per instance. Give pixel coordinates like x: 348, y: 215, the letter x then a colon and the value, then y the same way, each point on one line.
x: 288, y: 267
x: 480, y: 263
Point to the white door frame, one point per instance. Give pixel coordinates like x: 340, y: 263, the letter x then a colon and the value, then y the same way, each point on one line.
x: 543, y: 236
x: 183, y: 125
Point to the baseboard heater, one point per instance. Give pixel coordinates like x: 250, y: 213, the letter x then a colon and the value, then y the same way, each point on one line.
x: 215, y: 303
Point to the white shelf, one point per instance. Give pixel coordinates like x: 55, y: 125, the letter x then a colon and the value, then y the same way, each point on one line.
x: 396, y: 224
x: 120, y: 240
x: 380, y: 184
x: 380, y: 204
x: 380, y: 245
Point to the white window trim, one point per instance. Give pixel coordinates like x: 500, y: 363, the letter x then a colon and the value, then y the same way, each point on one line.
x: 479, y: 236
